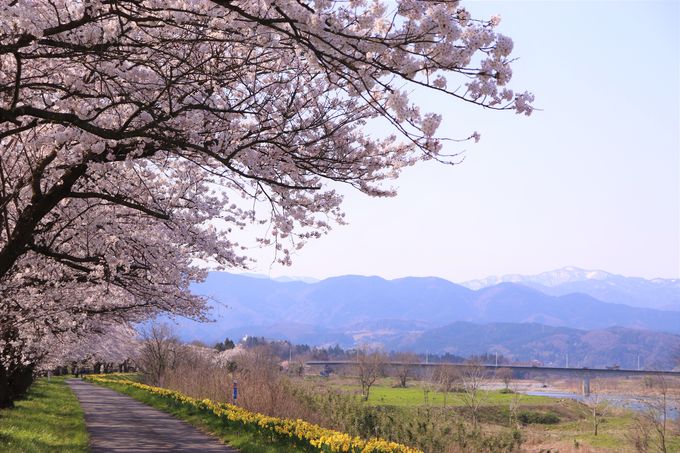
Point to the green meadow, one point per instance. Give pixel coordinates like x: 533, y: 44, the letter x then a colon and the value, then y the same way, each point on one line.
x: 385, y: 395
x: 48, y: 420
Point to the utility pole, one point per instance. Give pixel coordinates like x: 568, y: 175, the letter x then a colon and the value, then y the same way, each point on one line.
x: 638, y: 362
x: 567, y: 361
x: 496, y: 359
x: 427, y: 357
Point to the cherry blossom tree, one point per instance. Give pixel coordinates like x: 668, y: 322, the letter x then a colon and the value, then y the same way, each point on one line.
x: 112, y: 344
x: 127, y: 127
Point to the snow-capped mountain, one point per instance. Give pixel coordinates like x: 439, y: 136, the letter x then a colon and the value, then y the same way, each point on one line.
x: 550, y: 278
x: 658, y: 293
x: 283, y: 278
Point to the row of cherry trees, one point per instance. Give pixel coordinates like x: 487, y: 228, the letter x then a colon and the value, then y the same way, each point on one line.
x: 127, y: 127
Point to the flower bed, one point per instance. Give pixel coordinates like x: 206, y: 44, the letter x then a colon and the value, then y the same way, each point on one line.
x: 299, y: 432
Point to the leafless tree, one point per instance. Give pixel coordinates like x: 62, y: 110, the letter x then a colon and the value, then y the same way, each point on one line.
x: 597, y: 409
x: 259, y: 370
x: 296, y: 367
x: 159, y: 352
x: 505, y: 375
x: 639, y: 435
x: 370, y: 365
x: 655, y: 416
x: 448, y: 377
x: 404, y: 363
x: 514, y: 406
x: 473, y: 376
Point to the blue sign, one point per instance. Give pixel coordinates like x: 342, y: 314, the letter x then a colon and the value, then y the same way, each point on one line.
x: 235, y: 391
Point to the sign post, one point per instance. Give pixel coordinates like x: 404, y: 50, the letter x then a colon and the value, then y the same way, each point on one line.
x: 235, y: 395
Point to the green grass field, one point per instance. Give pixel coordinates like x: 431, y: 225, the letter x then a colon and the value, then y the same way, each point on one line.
x: 48, y: 420
x: 384, y: 395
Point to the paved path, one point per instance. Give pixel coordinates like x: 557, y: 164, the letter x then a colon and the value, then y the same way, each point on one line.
x: 118, y: 423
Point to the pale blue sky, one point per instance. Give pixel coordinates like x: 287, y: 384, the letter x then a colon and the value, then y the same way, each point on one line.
x: 591, y: 181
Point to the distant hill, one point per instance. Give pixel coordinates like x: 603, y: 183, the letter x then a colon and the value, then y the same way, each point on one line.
x: 519, y: 341
x: 436, y: 315
x: 657, y: 293
x: 339, y: 302
x: 239, y: 300
x: 293, y: 332
x: 550, y: 345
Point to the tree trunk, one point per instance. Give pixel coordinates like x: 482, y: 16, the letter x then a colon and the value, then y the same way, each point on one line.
x: 15, y: 380
x: 15, y: 375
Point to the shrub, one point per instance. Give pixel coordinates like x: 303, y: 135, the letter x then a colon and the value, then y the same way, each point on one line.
x: 540, y: 418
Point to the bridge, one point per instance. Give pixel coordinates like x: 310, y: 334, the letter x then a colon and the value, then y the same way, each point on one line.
x: 586, y: 374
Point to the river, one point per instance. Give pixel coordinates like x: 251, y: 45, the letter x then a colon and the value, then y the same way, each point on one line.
x: 636, y: 403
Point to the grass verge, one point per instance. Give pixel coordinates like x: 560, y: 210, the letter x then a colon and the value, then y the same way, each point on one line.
x: 49, y: 419
x: 246, y: 442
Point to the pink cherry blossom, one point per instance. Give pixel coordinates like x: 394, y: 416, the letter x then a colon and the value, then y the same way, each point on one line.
x: 129, y: 128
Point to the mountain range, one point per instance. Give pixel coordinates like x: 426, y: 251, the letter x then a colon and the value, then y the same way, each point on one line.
x: 434, y: 314
x: 555, y: 346
x: 656, y: 293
